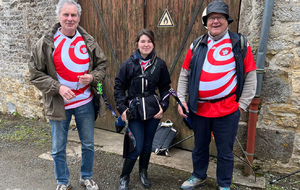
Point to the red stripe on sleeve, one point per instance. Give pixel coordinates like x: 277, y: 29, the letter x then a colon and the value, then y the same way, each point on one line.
x: 249, y: 63
x: 187, y: 60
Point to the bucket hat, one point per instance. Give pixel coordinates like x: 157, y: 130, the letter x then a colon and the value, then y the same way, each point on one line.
x: 216, y: 7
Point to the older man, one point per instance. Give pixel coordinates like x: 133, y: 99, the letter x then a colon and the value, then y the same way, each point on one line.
x: 67, y: 63
x: 221, y: 82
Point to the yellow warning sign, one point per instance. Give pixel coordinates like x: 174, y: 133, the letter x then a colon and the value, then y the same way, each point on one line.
x: 166, y: 20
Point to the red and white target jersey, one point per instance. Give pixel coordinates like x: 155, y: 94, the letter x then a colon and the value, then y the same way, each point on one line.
x: 71, y: 60
x: 218, y: 77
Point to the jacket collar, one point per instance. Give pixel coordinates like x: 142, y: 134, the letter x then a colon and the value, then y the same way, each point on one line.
x: 137, y: 55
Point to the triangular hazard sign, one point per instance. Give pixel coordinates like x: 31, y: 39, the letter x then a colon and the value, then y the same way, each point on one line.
x: 165, y: 20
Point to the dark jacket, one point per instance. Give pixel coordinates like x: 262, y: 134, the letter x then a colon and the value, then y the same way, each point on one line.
x: 132, y: 82
x: 199, y: 57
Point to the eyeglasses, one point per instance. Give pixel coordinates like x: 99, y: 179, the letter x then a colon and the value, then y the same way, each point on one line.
x: 213, y: 18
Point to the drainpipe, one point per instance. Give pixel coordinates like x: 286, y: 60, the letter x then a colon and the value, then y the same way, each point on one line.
x: 260, y: 63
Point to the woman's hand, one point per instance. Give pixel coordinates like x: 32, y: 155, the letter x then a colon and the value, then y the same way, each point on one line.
x: 159, y: 114
x: 180, y: 111
x: 124, y: 116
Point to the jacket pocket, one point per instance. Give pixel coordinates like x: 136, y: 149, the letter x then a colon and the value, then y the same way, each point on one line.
x: 148, y: 107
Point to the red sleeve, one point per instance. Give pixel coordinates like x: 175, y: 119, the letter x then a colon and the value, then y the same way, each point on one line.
x: 249, y: 63
x: 187, y: 59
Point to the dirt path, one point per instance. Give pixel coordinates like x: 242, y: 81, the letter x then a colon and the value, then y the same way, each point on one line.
x: 21, y: 167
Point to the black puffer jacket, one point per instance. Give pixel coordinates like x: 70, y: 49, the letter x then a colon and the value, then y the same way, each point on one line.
x: 142, y: 85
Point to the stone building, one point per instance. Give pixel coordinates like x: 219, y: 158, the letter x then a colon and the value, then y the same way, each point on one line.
x: 277, y: 146
x: 278, y: 126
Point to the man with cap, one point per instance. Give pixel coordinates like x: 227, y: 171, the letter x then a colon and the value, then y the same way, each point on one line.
x: 220, y: 82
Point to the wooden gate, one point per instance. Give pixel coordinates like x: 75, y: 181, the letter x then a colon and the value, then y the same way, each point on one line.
x: 115, y: 27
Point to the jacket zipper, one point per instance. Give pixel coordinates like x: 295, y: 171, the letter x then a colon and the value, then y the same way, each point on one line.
x: 143, y: 90
x: 143, y: 87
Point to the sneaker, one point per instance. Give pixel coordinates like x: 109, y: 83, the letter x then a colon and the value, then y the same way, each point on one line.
x: 89, y: 184
x: 192, y: 182
x: 64, y: 187
x: 224, y: 188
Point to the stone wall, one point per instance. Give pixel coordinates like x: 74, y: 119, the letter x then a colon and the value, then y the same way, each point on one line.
x: 277, y: 147
x: 278, y: 127
x: 22, y: 23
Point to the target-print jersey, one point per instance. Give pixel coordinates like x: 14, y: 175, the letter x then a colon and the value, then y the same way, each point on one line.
x: 218, y: 77
x: 71, y: 60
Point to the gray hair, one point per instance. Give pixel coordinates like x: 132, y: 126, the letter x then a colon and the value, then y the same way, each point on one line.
x: 61, y: 3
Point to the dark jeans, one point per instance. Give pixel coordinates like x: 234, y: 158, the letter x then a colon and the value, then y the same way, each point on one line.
x: 143, y: 131
x: 224, y: 130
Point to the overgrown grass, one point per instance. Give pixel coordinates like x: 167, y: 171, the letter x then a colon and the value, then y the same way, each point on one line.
x: 40, y: 135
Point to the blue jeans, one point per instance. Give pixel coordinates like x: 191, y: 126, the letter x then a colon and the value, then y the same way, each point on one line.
x: 144, y: 132
x: 84, y: 117
x: 224, y: 130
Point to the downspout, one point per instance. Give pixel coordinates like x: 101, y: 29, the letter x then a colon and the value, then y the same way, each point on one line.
x: 260, y: 63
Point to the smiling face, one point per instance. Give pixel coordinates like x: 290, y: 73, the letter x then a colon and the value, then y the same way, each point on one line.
x: 216, y: 23
x: 145, y: 45
x: 69, y: 19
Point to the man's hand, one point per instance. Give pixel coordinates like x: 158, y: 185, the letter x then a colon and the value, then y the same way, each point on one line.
x: 180, y: 111
x: 241, y: 110
x: 85, y: 79
x: 66, y: 93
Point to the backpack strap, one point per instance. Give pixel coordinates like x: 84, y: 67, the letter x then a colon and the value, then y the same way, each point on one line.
x: 243, y: 45
x: 196, y: 43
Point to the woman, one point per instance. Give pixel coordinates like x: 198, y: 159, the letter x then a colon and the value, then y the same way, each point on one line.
x: 140, y: 106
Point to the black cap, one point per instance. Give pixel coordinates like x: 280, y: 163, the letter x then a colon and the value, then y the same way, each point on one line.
x: 216, y: 7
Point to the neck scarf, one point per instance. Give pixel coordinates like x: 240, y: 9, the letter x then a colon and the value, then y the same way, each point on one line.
x: 137, y: 55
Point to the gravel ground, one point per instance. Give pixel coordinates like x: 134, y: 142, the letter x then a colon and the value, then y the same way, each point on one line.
x: 23, y: 140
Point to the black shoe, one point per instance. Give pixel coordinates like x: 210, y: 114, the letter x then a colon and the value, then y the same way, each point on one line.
x: 125, y: 176
x: 143, y: 167
x: 144, y: 178
x: 124, y: 183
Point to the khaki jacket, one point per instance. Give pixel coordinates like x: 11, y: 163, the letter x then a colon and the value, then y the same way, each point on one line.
x: 43, y: 75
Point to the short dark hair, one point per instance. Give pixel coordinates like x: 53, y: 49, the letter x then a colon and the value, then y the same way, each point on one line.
x: 146, y: 32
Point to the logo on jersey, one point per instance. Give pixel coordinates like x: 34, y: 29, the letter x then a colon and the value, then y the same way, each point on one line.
x: 225, y: 51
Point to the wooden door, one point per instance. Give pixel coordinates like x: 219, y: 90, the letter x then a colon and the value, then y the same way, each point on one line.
x: 123, y: 19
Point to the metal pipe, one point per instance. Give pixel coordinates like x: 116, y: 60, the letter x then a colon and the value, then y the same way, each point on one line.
x: 260, y: 63
x: 251, y: 134
x: 263, y: 42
